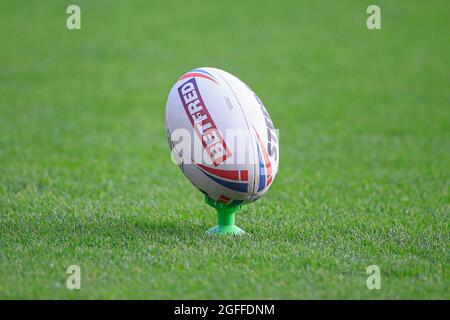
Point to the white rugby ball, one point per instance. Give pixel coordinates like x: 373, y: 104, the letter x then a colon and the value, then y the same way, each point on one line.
x: 221, y: 136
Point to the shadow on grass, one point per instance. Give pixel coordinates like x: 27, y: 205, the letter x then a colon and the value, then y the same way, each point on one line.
x: 104, y: 230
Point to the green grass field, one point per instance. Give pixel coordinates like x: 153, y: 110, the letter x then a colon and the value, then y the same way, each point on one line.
x: 86, y: 176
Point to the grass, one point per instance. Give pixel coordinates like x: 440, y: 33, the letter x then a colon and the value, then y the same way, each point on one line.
x: 86, y: 177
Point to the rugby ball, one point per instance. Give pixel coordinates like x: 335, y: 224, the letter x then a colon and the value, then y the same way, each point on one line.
x: 221, y: 136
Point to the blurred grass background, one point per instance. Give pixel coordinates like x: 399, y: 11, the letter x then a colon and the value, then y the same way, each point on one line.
x: 86, y: 177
